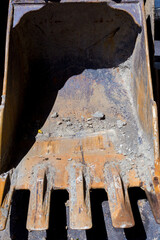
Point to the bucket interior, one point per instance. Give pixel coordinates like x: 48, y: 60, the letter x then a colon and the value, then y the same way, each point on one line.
x: 73, y: 59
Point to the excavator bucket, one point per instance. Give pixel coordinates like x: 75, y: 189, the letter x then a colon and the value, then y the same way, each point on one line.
x: 77, y: 110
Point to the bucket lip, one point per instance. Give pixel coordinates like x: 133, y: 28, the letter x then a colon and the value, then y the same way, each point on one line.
x: 124, y: 5
x: 71, y: 1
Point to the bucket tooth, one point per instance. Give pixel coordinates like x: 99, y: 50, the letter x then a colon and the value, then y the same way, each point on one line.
x: 154, y: 202
x: 6, y: 192
x: 119, y: 204
x: 79, y: 203
x: 153, y: 196
x: 39, y: 204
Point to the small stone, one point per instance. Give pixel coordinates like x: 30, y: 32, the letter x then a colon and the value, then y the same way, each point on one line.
x: 54, y: 115
x: 121, y: 123
x: 89, y: 119
x: 99, y: 115
x: 69, y: 124
x: 69, y: 159
x: 59, y: 123
x: 65, y: 119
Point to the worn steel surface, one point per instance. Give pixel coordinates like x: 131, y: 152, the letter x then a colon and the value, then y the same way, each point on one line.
x: 77, y: 88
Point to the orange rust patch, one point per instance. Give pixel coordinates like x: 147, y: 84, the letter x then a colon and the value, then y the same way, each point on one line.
x: 133, y: 179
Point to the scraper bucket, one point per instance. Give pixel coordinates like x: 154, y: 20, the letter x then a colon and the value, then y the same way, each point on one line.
x: 77, y: 110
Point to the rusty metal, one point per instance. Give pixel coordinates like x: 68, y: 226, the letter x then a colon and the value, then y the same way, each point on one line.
x: 80, y: 71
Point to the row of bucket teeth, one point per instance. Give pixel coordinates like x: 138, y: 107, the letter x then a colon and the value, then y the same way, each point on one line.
x: 154, y: 200
x: 79, y: 200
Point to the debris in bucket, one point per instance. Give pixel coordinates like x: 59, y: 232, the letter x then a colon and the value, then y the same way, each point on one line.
x: 89, y: 124
x: 54, y: 115
x: 120, y: 123
x: 67, y: 119
x: 99, y: 115
x: 69, y: 123
x: 59, y: 123
x: 89, y: 119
